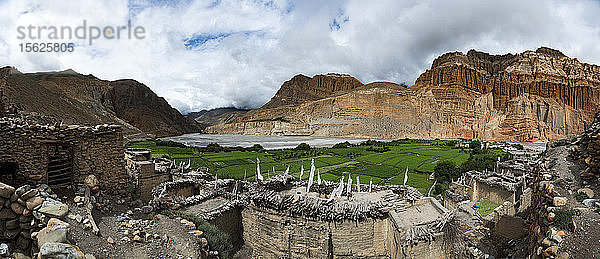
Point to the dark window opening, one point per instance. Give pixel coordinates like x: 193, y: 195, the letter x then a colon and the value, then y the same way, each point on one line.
x: 8, y: 172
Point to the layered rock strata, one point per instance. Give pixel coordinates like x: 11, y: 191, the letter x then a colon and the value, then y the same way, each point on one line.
x: 532, y: 96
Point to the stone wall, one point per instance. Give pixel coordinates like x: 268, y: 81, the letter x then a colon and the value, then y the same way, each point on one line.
x: 230, y: 222
x: 495, y: 194
x: 70, y: 153
x: 23, y: 212
x: 272, y: 235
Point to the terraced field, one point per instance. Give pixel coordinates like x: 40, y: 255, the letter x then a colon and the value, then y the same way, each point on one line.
x: 332, y: 163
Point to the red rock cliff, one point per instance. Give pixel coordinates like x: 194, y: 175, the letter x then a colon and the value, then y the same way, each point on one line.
x: 532, y: 96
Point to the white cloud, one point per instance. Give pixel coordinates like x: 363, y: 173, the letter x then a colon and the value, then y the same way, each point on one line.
x: 246, y: 49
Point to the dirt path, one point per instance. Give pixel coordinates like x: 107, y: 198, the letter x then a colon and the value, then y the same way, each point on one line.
x: 585, y: 241
x: 165, y: 238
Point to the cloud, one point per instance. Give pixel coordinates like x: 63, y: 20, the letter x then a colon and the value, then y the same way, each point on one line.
x: 208, y: 54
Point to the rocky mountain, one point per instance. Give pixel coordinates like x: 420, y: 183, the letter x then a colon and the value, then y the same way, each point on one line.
x: 301, y: 89
x: 216, y: 116
x: 531, y: 96
x: 73, y: 98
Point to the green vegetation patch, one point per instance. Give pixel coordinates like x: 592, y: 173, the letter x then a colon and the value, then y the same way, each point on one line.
x: 217, y: 239
x: 563, y: 218
x: 486, y: 207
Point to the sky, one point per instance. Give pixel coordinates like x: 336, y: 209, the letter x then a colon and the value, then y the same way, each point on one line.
x: 223, y: 53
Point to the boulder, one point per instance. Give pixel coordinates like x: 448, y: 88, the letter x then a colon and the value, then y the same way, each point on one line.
x: 19, y: 255
x: 91, y: 181
x: 59, y: 235
x: 23, y: 189
x: 587, y: 191
x: 12, y: 233
x: 36, y: 177
x: 6, y: 213
x: 559, y: 201
x: 6, y: 191
x: 551, y: 251
x: 33, y: 202
x: 4, y: 251
x: 17, y: 208
x: 55, y: 211
x: 12, y: 224
x: 147, y: 209
x: 29, y: 194
x: 589, y: 202
x: 60, y: 250
x: 23, y: 243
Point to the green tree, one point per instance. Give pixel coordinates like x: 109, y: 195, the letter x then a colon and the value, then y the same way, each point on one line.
x: 446, y: 171
x: 303, y: 146
x: 256, y: 148
x: 475, y: 147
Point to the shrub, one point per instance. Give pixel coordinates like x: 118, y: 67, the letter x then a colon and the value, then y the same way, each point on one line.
x: 479, y: 162
x: 217, y: 239
x: 451, y: 143
x: 438, y: 189
x: 563, y: 218
x: 378, y: 149
x: 475, y: 147
x: 580, y: 196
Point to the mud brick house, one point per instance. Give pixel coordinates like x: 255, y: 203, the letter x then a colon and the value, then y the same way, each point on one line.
x: 146, y: 173
x: 61, y: 155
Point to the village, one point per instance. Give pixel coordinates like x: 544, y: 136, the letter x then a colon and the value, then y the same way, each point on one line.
x: 71, y: 181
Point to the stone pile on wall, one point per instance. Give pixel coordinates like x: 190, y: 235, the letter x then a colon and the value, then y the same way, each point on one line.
x: 278, y: 222
x: 545, y: 239
x: 81, y: 150
x: 588, y: 150
x: 30, y: 222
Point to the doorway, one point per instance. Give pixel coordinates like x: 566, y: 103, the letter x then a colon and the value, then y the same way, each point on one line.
x: 8, y: 172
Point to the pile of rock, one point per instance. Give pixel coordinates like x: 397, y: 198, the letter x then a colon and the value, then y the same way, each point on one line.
x: 24, y: 211
x: 54, y: 241
x: 546, y: 236
x: 588, y: 150
x: 137, y: 230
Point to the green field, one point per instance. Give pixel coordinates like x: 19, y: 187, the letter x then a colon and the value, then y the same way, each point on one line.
x: 360, y: 160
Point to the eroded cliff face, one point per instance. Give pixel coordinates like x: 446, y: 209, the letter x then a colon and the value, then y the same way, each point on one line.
x: 301, y: 89
x: 531, y: 96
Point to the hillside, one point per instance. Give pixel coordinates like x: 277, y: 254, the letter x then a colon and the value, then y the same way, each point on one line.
x: 531, y: 96
x: 73, y: 98
x: 217, y: 116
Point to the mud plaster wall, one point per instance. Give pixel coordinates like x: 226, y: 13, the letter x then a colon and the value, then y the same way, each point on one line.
x: 273, y: 235
x: 482, y: 191
x: 426, y: 250
x: 450, y: 204
x: 231, y: 223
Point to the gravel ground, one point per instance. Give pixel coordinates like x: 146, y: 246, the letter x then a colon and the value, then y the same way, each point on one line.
x: 584, y: 242
x: 167, y: 238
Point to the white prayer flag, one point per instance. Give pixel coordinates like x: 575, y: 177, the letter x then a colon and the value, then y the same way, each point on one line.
x: 259, y: 177
x: 311, y: 175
